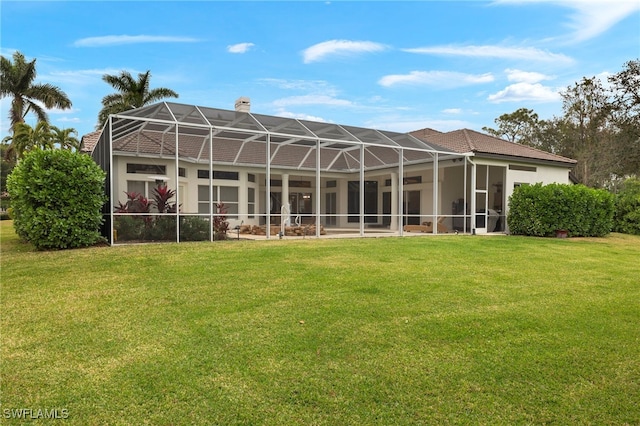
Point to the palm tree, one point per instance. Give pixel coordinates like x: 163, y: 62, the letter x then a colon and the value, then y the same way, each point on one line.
x: 25, y: 138
x: 65, y: 138
x: 17, y: 82
x: 130, y: 94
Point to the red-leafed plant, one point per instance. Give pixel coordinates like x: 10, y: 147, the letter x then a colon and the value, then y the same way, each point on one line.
x: 136, y: 203
x: 161, y: 197
x: 220, y: 223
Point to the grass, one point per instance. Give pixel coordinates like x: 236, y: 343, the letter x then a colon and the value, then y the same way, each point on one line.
x: 449, y: 330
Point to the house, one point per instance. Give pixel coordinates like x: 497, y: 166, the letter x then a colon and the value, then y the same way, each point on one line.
x: 275, y: 173
x: 500, y: 167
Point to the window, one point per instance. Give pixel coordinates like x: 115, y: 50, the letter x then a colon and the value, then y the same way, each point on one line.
x: 146, y: 169
x: 182, y: 172
x: 251, y: 177
x: 412, y: 179
x: 227, y: 195
x: 139, y: 187
x: 370, y: 201
x: 332, y: 184
x: 251, y: 202
x: 226, y: 175
x: 299, y: 184
x: 204, y: 174
x: 203, y: 199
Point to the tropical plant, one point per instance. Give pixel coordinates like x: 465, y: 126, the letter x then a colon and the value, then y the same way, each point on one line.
x: 161, y: 197
x: 17, y: 82
x: 146, y: 226
x: 65, y: 138
x: 26, y: 138
x: 131, y: 93
x: 220, y: 223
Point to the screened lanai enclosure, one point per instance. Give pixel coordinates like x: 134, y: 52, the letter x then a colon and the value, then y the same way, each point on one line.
x: 180, y: 172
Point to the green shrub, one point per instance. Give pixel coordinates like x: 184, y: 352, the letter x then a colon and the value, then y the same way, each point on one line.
x: 56, y: 197
x: 628, y: 207
x: 193, y: 228
x: 539, y: 210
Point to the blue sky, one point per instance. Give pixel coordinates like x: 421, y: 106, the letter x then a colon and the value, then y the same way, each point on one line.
x: 397, y: 66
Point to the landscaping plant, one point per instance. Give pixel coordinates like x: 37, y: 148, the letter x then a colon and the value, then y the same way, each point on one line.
x: 541, y: 211
x: 146, y: 227
x: 56, y: 198
x: 628, y: 207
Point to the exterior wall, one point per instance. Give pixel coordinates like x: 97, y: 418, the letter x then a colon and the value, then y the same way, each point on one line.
x: 450, y: 181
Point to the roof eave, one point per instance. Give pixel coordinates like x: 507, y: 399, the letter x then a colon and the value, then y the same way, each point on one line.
x: 566, y: 163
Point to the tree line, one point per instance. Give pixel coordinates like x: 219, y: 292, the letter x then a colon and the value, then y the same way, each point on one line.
x: 599, y: 127
x: 17, y: 82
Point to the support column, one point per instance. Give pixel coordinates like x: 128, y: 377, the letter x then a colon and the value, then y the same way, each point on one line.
x: 394, y: 202
x: 400, y: 191
x: 285, y: 199
x: 435, y: 192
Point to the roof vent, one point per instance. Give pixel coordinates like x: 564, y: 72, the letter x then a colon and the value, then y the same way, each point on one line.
x: 243, y: 104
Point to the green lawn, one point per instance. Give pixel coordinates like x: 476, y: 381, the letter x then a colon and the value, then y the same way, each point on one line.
x: 390, y: 331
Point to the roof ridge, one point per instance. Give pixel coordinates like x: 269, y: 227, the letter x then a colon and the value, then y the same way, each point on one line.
x: 472, y: 146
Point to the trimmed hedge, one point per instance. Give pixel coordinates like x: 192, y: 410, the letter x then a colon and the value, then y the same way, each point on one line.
x: 628, y: 207
x: 540, y: 211
x: 56, y: 199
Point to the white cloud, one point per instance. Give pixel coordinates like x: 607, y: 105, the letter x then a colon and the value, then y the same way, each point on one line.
x: 452, y: 111
x: 590, y: 18
x: 320, y: 51
x: 116, y: 40
x: 312, y: 100
x: 317, y: 86
x: 299, y: 116
x: 78, y: 77
x: 489, y: 51
x: 68, y: 120
x: 441, y: 79
x: 525, y: 92
x: 520, y: 76
x: 240, y: 47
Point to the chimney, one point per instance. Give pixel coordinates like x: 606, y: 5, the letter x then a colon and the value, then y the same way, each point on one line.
x: 243, y: 104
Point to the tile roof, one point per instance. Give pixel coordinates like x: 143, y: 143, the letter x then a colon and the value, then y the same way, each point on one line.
x: 89, y: 141
x: 466, y: 140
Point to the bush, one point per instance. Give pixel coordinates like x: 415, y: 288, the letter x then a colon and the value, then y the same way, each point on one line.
x: 56, y: 199
x: 193, y: 228
x: 539, y: 210
x: 628, y: 207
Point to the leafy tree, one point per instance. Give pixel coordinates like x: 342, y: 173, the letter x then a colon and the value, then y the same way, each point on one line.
x: 26, y: 138
x: 6, y: 166
x: 625, y: 114
x: 520, y: 126
x: 130, y: 94
x: 17, y: 82
x: 589, y: 134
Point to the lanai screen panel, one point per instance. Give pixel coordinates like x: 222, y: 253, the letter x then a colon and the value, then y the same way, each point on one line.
x: 240, y: 138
